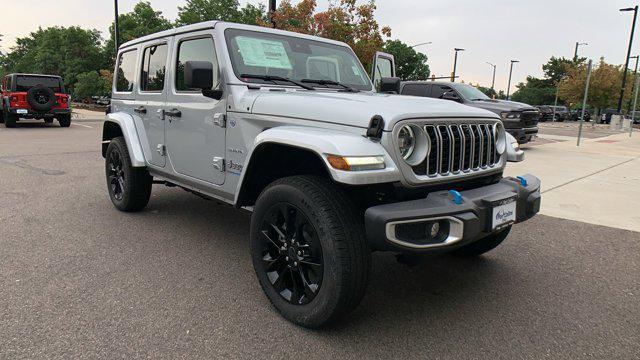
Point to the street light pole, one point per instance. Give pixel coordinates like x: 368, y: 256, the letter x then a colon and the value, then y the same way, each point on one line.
x: 116, y: 35
x: 575, y: 54
x: 455, y: 63
x: 633, y: 85
x: 272, y: 10
x: 510, y: 72
x: 626, y: 63
x: 493, y: 80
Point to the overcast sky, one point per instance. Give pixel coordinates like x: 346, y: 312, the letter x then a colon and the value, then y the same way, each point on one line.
x: 491, y: 30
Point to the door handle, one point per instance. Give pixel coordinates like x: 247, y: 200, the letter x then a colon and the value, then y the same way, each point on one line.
x: 140, y: 110
x: 173, y: 113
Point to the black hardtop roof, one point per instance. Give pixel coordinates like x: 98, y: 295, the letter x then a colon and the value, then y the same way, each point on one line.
x: 35, y: 75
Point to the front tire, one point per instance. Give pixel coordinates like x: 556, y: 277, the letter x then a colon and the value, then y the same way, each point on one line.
x: 309, y: 250
x: 483, y: 245
x: 129, y: 188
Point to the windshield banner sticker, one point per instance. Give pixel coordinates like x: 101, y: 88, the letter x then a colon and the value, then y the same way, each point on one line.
x: 260, y: 52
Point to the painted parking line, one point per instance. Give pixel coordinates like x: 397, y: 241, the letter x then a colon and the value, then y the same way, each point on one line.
x: 87, y: 126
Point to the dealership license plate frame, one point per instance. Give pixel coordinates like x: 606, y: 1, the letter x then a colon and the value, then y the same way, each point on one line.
x: 508, y: 207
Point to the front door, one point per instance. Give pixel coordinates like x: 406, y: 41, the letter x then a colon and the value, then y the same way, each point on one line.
x: 152, y: 96
x: 383, y: 66
x: 195, y: 123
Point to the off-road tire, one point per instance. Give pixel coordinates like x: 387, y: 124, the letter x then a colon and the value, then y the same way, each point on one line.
x: 1, y: 115
x: 346, y: 255
x: 10, y: 120
x: 483, y: 245
x: 137, y: 181
x: 48, y: 120
x: 64, y: 120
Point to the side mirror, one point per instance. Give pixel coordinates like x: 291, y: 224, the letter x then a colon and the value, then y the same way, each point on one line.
x: 450, y: 95
x: 390, y: 85
x: 199, y: 75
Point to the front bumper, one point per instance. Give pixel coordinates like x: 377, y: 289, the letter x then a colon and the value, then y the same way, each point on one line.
x: 523, y: 135
x: 471, y: 219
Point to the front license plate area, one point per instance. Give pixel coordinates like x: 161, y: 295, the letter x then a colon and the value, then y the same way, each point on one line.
x: 503, y: 212
x: 22, y: 111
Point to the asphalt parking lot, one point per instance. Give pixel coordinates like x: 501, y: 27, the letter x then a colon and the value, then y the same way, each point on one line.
x: 80, y: 279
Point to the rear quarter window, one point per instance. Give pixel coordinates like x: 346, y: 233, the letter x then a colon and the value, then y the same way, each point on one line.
x: 415, y: 89
x: 125, y: 71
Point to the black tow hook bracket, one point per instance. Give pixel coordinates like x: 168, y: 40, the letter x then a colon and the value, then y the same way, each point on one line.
x: 376, y: 125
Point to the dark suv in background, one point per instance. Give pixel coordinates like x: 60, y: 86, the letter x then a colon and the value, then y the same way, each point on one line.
x: 577, y: 113
x: 546, y: 113
x: 520, y: 120
x: 33, y: 96
x: 561, y: 113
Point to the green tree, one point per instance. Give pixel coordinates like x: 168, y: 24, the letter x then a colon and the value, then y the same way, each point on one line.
x: 89, y: 84
x: 56, y: 51
x: 488, y: 91
x: 535, y: 92
x: 196, y: 11
x: 143, y: 20
x: 410, y: 64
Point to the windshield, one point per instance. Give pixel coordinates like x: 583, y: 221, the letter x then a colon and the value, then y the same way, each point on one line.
x: 24, y: 83
x: 470, y: 92
x: 263, y: 54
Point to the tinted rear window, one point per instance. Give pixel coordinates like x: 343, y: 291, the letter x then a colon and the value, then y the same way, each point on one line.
x: 24, y: 83
x: 415, y: 89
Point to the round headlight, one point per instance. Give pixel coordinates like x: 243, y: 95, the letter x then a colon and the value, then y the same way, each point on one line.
x: 406, y: 141
x: 413, y: 144
x: 501, y: 138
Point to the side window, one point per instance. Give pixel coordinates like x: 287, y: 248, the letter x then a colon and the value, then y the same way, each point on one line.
x: 126, y: 71
x: 438, y: 90
x: 154, y: 60
x: 415, y: 89
x: 200, y: 49
x: 8, y: 84
x: 383, y: 67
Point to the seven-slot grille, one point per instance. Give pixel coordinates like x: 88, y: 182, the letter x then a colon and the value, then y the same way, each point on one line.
x: 457, y: 148
x: 530, y: 118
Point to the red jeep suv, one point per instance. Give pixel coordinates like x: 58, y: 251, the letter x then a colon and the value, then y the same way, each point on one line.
x: 31, y: 96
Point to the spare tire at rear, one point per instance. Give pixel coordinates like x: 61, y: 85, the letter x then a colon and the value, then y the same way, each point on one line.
x: 41, y: 98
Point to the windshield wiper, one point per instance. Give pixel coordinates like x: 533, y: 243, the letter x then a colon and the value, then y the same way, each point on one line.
x: 273, y: 79
x: 329, y: 82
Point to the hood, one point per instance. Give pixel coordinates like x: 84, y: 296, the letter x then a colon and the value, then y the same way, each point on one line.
x: 357, y: 109
x: 498, y: 106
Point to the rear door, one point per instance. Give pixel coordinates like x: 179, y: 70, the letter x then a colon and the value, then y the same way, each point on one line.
x: 152, y: 96
x: 196, y: 135
x: 383, y: 66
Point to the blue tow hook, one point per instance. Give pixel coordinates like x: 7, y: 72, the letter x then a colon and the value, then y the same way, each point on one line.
x: 457, y: 197
x: 523, y: 181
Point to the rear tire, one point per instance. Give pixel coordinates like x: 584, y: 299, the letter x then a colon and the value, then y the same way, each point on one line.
x: 326, y: 241
x: 483, y: 245
x: 129, y: 188
x: 64, y: 120
x: 10, y: 120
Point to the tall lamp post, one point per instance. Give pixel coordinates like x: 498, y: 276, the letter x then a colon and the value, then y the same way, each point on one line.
x: 424, y: 43
x: 575, y: 53
x: 272, y: 10
x: 626, y: 64
x: 455, y: 63
x: 493, y: 80
x: 116, y: 35
x: 510, y: 72
x: 633, y: 85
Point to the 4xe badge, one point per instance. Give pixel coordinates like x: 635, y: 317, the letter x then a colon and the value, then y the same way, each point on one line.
x: 234, y: 167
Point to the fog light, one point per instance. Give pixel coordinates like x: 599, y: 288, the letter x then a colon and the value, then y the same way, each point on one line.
x: 433, y: 229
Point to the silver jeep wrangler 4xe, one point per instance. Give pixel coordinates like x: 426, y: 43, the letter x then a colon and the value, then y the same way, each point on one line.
x: 291, y: 127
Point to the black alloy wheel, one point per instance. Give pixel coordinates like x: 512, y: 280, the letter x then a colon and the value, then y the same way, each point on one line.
x: 115, y: 175
x: 291, y: 254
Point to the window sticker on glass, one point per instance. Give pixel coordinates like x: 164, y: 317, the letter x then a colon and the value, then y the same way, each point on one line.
x: 260, y: 52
